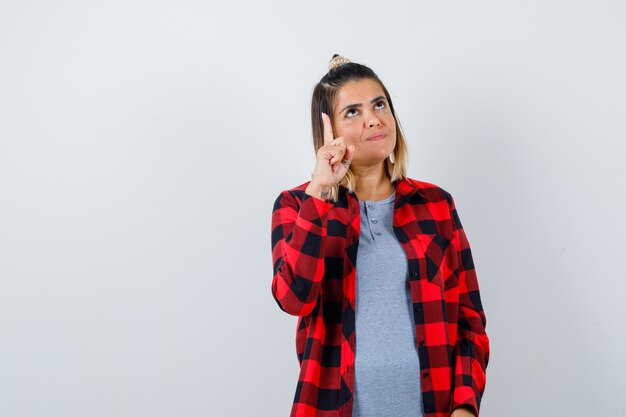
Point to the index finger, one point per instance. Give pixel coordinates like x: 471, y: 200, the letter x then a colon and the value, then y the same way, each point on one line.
x: 328, y: 129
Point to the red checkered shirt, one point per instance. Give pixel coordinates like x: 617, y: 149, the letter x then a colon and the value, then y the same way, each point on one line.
x: 314, y: 252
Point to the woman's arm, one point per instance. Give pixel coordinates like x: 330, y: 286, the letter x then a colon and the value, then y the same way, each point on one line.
x: 472, y: 346
x: 299, y: 232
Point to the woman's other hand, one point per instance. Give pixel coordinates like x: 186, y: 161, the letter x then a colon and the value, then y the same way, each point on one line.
x: 462, y: 412
x: 332, y: 163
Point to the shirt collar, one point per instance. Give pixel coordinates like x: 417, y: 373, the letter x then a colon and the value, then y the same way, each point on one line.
x: 405, y: 188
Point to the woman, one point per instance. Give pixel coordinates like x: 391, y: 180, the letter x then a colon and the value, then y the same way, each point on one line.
x: 361, y: 249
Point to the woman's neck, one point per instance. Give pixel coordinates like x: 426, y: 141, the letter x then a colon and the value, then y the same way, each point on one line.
x: 372, y: 184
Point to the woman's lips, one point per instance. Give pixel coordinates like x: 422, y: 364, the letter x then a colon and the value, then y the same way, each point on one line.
x: 377, y: 136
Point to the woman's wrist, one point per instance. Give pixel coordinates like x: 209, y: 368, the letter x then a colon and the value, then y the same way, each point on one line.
x: 463, y: 411
x: 318, y: 191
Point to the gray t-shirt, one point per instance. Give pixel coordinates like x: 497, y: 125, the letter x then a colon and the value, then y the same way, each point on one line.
x: 387, y: 372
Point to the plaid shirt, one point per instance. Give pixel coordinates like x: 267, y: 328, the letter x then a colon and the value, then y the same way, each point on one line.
x: 314, y: 248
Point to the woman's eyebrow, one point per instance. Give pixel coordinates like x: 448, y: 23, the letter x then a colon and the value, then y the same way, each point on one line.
x: 354, y: 106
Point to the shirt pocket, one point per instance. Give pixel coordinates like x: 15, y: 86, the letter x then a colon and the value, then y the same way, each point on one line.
x: 436, y: 257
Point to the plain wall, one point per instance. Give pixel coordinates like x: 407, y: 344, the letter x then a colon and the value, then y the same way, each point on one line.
x: 143, y: 143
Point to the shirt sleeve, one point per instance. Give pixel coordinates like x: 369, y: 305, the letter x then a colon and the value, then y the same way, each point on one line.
x: 299, y: 230
x: 471, y: 350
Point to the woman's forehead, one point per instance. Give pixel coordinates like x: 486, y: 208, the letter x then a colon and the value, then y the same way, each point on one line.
x: 358, y: 92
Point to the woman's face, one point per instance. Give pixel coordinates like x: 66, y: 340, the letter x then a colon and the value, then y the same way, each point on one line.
x: 362, y: 115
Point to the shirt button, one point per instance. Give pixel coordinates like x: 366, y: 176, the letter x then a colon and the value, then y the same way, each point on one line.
x: 403, y: 239
x: 371, y: 206
x: 418, y: 308
x: 426, y: 375
x: 414, y: 274
x: 374, y: 221
x: 421, y: 343
x: 377, y: 233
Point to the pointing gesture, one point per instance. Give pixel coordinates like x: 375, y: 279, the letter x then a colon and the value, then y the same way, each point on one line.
x: 333, y: 161
x: 328, y: 129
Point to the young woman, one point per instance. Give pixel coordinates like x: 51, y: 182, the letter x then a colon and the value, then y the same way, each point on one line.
x: 378, y: 269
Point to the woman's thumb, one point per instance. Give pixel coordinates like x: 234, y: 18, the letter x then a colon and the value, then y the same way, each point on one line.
x: 349, y: 154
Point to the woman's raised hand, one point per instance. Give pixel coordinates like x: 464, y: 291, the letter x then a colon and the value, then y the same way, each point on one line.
x: 333, y: 160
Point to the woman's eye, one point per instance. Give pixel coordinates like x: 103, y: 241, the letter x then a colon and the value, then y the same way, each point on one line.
x: 351, y: 112
x: 380, y: 105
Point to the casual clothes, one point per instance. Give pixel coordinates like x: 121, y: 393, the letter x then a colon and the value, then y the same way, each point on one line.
x: 315, y: 255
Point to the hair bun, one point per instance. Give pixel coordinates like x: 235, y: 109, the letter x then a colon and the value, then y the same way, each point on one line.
x: 337, y: 61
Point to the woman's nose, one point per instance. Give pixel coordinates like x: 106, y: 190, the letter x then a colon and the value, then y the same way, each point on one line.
x: 372, y: 121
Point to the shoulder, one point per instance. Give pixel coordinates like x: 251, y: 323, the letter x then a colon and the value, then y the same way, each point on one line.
x: 429, y: 191
x: 439, y: 202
